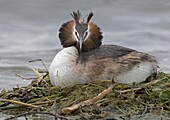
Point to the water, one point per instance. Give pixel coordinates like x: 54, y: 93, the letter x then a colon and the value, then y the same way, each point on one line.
x: 29, y: 29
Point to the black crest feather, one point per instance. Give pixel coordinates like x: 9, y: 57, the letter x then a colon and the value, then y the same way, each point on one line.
x: 89, y: 17
x: 76, y: 16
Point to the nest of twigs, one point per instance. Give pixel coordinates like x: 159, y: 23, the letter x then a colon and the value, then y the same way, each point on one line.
x: 41, y: 97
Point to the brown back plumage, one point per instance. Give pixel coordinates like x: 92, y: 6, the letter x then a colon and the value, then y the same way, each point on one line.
x: 67, y: 33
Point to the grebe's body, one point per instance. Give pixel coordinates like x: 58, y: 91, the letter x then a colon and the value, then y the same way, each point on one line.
x: 83, y: 59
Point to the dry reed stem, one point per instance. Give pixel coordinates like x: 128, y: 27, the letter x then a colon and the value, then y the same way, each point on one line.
x: 41, y: 103
x: 18, y: 102
x: 128, y: 90
x: 102, y: 81
x: 68, y: 110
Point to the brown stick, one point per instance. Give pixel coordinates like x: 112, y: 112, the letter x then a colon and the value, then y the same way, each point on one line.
x: 128, y: 90
x: 139, y: 88
x: 102, y: 81
x: 24, y: 78
x: 101, y: 95
x: 18, y: 102
x: 41, y: 103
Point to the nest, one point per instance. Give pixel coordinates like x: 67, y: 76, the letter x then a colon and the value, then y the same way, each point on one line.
x: 40, y: 97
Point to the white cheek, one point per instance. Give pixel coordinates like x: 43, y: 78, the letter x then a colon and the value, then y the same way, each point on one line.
x: 75, y: 37
x: 88, y: 34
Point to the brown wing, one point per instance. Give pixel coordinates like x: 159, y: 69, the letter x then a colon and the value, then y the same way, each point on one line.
x: 112, y: 59
x: 105, y: 51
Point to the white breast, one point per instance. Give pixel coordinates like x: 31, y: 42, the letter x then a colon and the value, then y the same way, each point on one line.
x: 65, y: 71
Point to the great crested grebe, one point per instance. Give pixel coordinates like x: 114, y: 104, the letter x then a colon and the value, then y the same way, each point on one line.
x: 83, y: 59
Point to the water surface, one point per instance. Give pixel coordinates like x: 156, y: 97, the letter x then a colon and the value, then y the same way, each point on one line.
x: 29, y: 30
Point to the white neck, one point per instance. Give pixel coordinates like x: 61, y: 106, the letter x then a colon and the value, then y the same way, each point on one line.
x: 66, y: 55
x: 64, y: 69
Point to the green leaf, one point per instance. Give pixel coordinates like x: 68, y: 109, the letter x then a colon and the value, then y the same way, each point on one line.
x: 164, y: 95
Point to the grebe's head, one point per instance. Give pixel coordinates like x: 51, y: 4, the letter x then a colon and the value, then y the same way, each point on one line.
x: 83, y: 34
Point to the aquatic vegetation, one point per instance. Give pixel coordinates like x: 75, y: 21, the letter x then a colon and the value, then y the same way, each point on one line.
x: 41, y: 97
